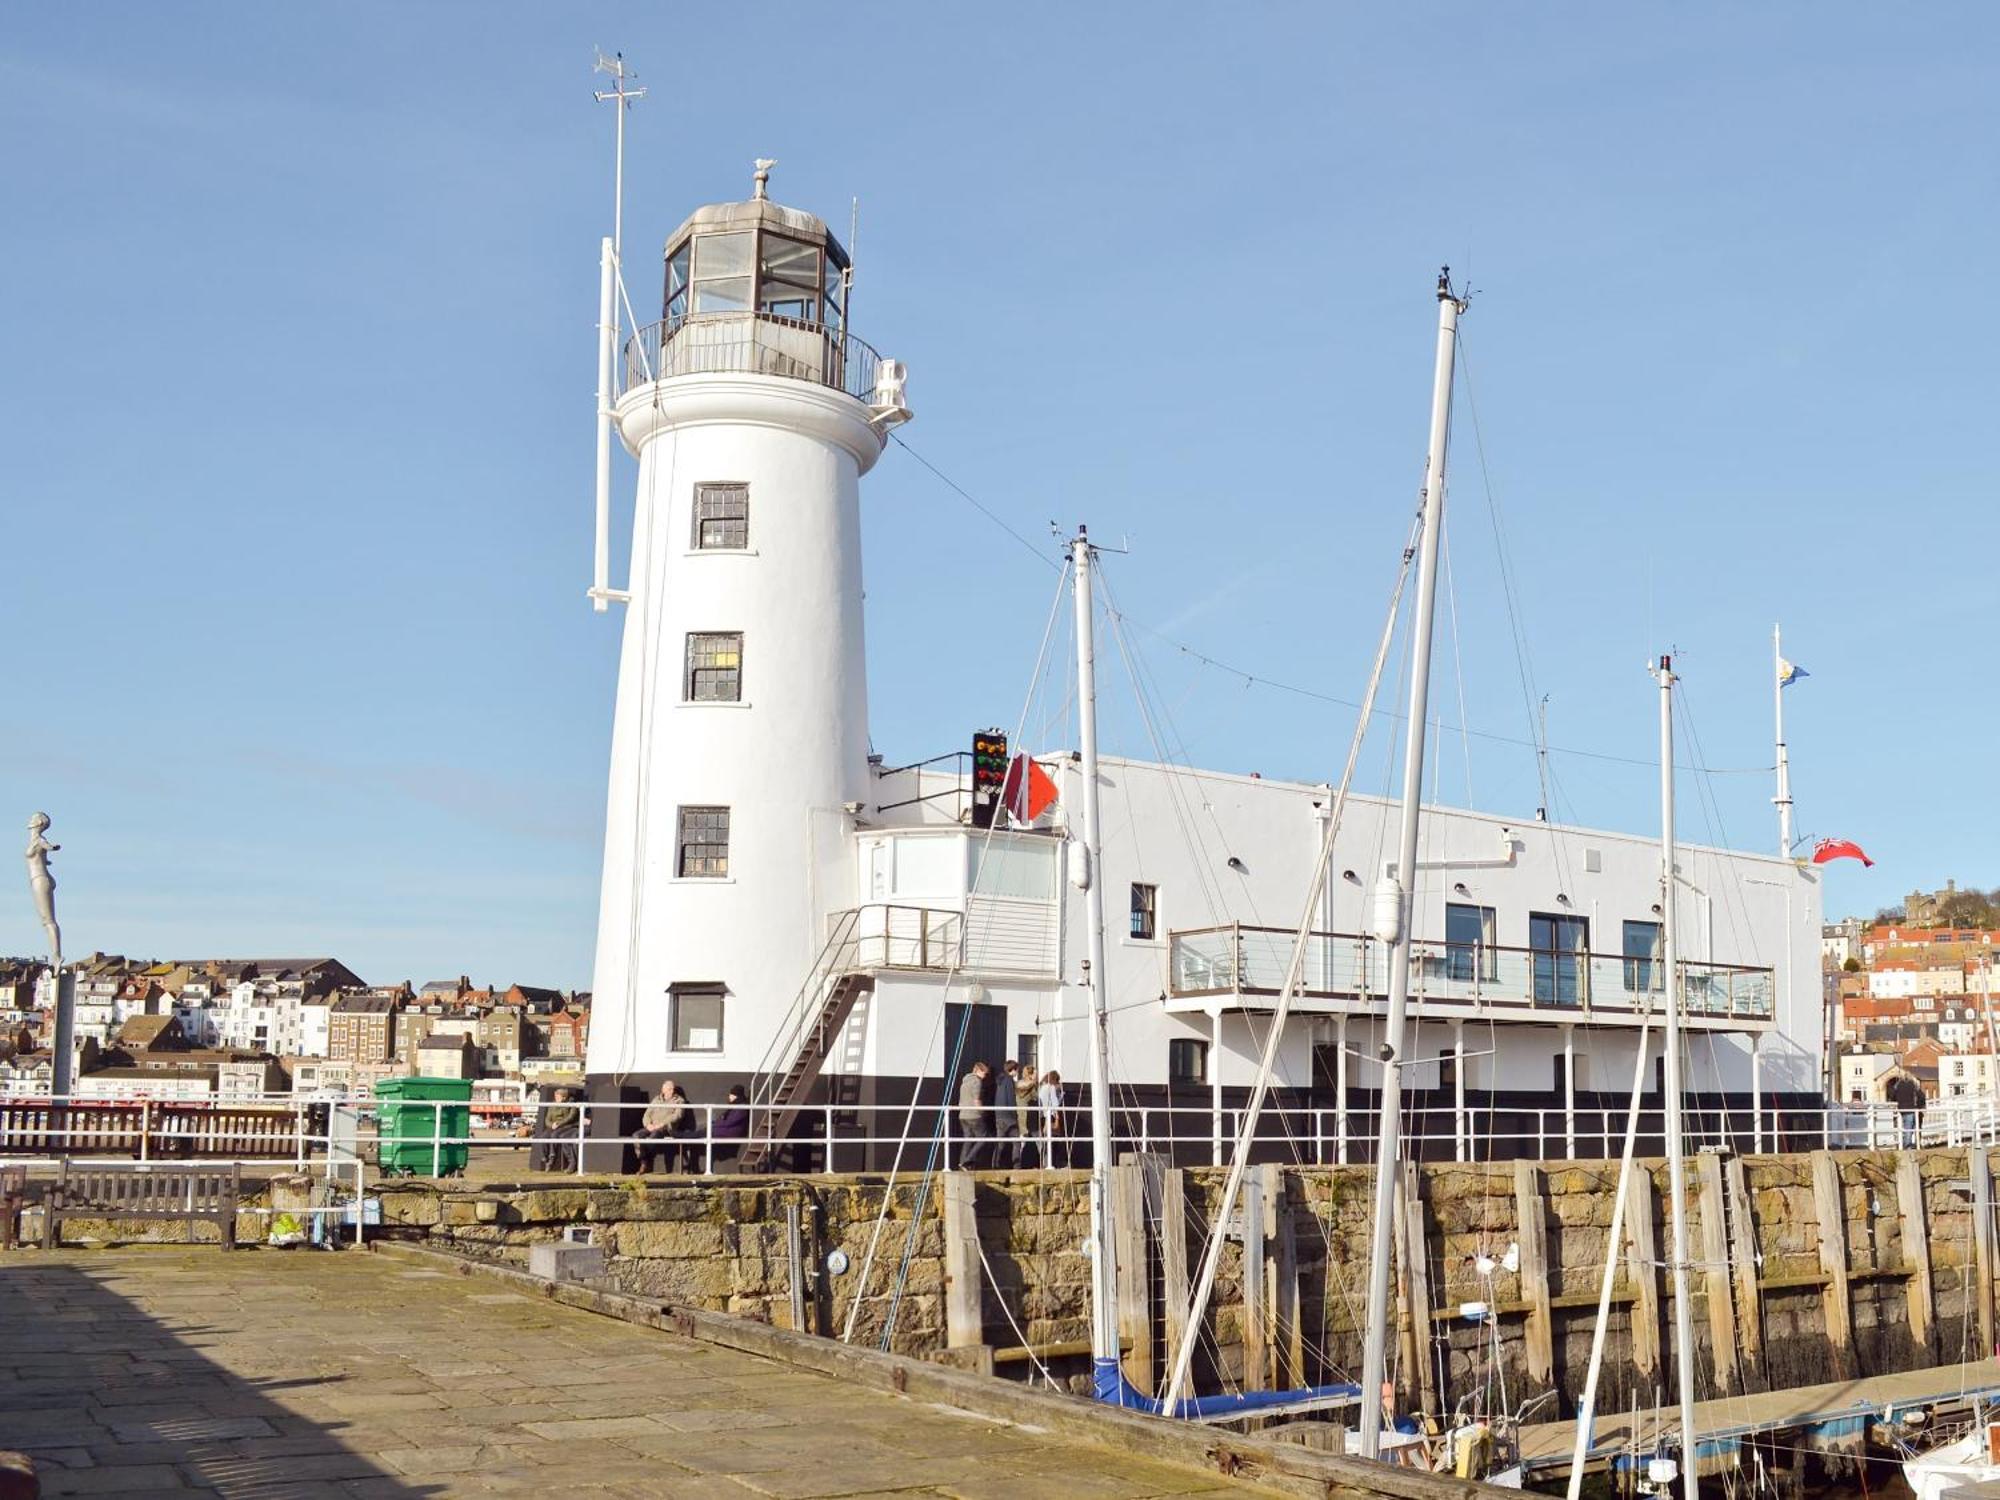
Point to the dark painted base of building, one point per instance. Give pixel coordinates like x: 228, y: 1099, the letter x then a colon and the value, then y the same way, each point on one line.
x: 1298, y: 1125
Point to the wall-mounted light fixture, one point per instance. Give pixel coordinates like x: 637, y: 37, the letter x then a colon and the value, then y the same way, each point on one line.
x: 1461, y: 889
x: 1238, y: 866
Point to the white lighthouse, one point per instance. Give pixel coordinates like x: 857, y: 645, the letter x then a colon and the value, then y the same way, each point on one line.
x: 739, y: 750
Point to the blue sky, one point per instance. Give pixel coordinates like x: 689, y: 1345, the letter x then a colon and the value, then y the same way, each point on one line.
x: 296, y: 381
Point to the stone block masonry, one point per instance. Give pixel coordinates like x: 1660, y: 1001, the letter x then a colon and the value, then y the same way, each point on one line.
x: 1795, y: 1298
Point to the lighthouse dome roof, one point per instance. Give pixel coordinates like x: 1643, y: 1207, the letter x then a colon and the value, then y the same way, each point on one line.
x: 757, y: 213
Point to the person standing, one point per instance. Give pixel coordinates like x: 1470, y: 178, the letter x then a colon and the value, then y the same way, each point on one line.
x: 1050, y: 1097
x: 974, y: 1123
x: 1006, y: 1117
x: 1026, y: 1117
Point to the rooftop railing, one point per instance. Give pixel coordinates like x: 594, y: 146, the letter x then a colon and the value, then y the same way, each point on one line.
x: 747, y: 343
x: 1242, y: 961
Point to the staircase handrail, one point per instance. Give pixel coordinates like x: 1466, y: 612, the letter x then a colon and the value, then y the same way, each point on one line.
x: 804, y: 1013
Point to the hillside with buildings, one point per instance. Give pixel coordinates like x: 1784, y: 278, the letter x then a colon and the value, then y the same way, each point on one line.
x: 1910, y: 993
x: 227, y: 1030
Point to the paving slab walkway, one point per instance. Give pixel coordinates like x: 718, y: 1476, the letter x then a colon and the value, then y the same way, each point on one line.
x: 275, y: 1375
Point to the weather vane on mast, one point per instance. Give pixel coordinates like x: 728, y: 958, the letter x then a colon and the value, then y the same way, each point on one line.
x: 615, y: 66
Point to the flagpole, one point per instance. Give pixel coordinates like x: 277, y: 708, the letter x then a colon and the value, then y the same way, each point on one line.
x: 1784, y: 797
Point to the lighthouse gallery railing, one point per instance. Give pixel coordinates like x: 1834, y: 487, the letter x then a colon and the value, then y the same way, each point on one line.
x: 747, y: 343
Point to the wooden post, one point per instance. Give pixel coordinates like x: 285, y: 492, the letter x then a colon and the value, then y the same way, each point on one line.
x: 1715, y: 1274
x: 1256, y: 1328
x: 964, y: 1315
x: 1174, y: 1258
x: 1417, y: 1242
x: 1642, y: 1267
x: 1288, y: 1338
x: 1135, y: 1276
x: 1743, y: 1250
x: 795, y: 1256
x: 1981, y: 1171
x: 1829, y: 1206
x: 1916, y: 1249
x: 1531, y: 1224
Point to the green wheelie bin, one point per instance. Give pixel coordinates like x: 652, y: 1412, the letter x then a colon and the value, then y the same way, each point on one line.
x: 422, y: 1125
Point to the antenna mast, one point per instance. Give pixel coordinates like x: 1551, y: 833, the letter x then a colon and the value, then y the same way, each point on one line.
x: 623, y: 97
x: 610, y: 276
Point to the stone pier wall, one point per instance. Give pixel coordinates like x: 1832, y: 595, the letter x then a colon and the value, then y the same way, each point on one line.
x: 722, y: 1246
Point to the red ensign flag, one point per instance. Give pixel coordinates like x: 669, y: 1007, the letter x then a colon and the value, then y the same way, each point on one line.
x: 1029, y: 792
x: 1827, y: 849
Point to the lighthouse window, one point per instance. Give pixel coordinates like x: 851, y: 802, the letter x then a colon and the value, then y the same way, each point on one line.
x: 715, y: 667
x: 697, y: 1017
x: 677, y: 285
x: 789, y: 284
x: 722, y: 272
x: 704, y: 842
x: 722, y: 516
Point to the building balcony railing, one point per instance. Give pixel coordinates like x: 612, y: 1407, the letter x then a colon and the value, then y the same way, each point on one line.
x: 905, y: 937
x: 747, y: 343
x: 1247, y: 965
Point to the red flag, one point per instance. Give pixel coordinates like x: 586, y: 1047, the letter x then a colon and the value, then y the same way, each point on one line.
x: 1029, y: 791
x: 1827, y: 849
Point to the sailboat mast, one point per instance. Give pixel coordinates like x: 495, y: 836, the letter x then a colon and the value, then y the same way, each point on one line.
x: 1395, y: 894
x: 1103, y: 1264
x: 1676, y: 1150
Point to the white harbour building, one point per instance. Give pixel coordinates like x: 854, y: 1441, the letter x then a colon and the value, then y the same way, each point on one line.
x: 780, y: 909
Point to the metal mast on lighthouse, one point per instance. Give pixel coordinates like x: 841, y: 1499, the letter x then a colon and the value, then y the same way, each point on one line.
x: 609, y: 269
x: 1395, y: 894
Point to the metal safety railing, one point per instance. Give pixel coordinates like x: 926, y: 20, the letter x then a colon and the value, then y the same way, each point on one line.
x: 580, y: 1138
x: 751, y: 343
x: 1239, y: 960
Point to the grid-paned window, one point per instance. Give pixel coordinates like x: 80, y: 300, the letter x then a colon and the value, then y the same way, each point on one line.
x: 1145, y: 909
x: 721, y: 516
x: 715, y: 666
x: 704, y: 842
x: 697, y: 1017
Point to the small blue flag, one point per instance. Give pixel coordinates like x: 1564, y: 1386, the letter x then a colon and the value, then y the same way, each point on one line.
x: 1789, y: 673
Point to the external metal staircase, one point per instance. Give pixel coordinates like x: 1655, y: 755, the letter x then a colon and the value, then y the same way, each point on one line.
x: 800, y: 1048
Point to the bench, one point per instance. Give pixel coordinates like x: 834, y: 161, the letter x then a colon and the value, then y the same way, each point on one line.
x: 190, y: 1194
x: 13, y: 1198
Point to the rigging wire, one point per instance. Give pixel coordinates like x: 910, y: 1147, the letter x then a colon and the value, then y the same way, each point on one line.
x: 1261, y: 680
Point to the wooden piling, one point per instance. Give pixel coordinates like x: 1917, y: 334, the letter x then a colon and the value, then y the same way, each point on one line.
x: 1830, y: 1207
x: 1531, y: 1225
x: 1174, y: 1259
x: 1715, y: 1274
x: 1416, y: 1243
x: 964, y: 1315
x: 1916, y: 1249
x: 1288, y: 1333
x: 1256, y: 1326
x: 1743, y: 1252
x: 1135, y: 1277
x: 1642, y: 1268
x: 1980, y: 1168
